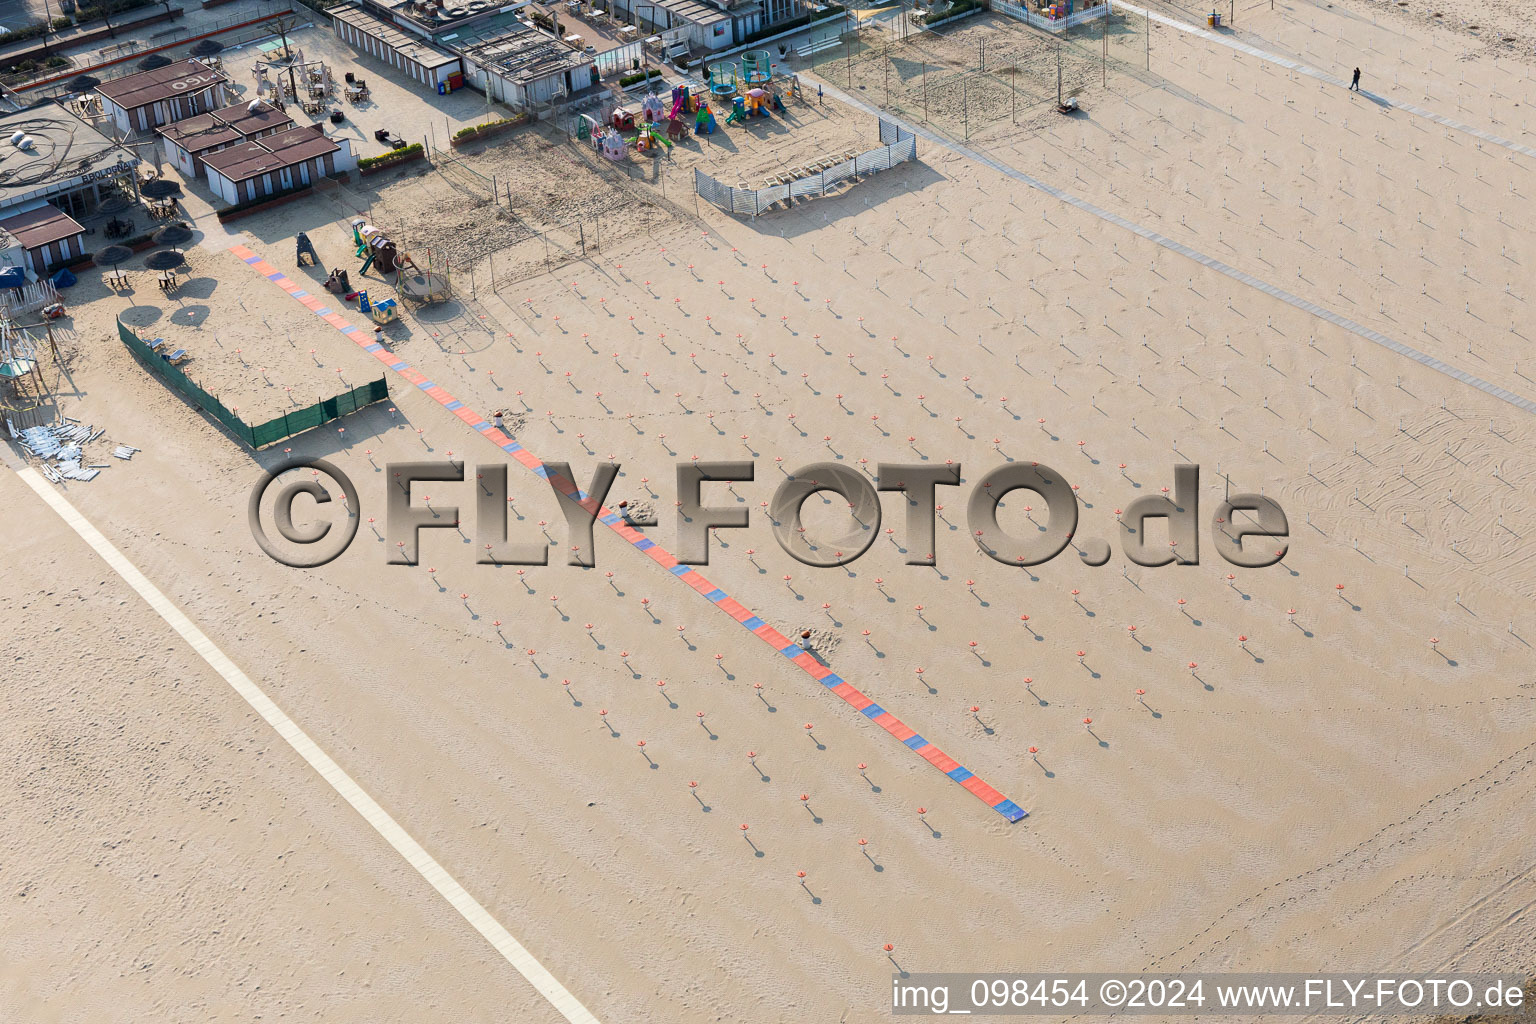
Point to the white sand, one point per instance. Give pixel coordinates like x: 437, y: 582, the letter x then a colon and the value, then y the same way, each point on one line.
x: 1337, y: 795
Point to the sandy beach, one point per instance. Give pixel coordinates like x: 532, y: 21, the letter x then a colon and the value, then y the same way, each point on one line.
x: 1226, y: 259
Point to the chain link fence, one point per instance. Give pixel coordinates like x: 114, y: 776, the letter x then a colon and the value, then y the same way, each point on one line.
x: 978, y: 74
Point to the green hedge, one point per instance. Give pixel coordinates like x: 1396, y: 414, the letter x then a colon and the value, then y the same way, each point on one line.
x: 28, y: 66
x: 958, y: 8
x: 97, y: 11
x: 638, y: 76
x: 476, y: 129
x: 394, y: 156
x: 31, y: 30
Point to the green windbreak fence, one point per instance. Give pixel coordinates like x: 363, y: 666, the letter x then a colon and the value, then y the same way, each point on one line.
x: 261, y: 434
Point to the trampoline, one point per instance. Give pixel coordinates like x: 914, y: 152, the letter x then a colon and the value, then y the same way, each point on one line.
x: 424, y: 287
x: 723, y: 82
x: 756, y: 68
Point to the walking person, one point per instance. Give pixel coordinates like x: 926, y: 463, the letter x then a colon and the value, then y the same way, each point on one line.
x: 1355, y: 83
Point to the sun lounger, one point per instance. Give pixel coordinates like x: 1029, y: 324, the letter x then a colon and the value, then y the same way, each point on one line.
x: 178, y: 356
x: 154, y: 346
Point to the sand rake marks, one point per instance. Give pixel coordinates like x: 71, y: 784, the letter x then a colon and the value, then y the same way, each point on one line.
x: 616, y: 522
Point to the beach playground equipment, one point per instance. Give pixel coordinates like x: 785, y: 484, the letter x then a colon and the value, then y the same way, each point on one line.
x: 607, y: 139
x: 722, y: 80
x: 704, y: 121
x: 651, y: 108
x: 305, y: 248
x: 379, y: 312
x: 682, y: 102
x: 758, y: 103
x: 373, y: 248
x: 612, y: 145
x: 756, y: 69
x: 423, y: 287
x: 651, y: 140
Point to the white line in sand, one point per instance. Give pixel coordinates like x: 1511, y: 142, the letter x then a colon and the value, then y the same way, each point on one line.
x: 1321, y: 312
x: 1323, y: 76
x: 537, y: 975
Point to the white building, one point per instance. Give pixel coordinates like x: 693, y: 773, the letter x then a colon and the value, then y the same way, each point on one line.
x: 188, y: 142
x: 149, y: 99
x: 368, y: 30
x: 39, y: 235
x: 34, y: 171
x: 276, y: 163
x: 527, y: 69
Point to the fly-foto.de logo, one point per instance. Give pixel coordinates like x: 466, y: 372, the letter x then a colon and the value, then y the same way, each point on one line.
x: 1021, y: 513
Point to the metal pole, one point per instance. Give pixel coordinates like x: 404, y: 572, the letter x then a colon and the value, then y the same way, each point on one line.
x: 965, y: 98
x: 1013, y: 82
x: 887, y: 75
x: 1149, y: 39
x: 48, y: 21
x: 1104, y: 64
x: 925, y: 90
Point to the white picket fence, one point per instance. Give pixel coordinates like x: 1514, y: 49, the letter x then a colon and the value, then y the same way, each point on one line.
x: 899, y: 147
x: 17, y: 302
x: 1040, y: 21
